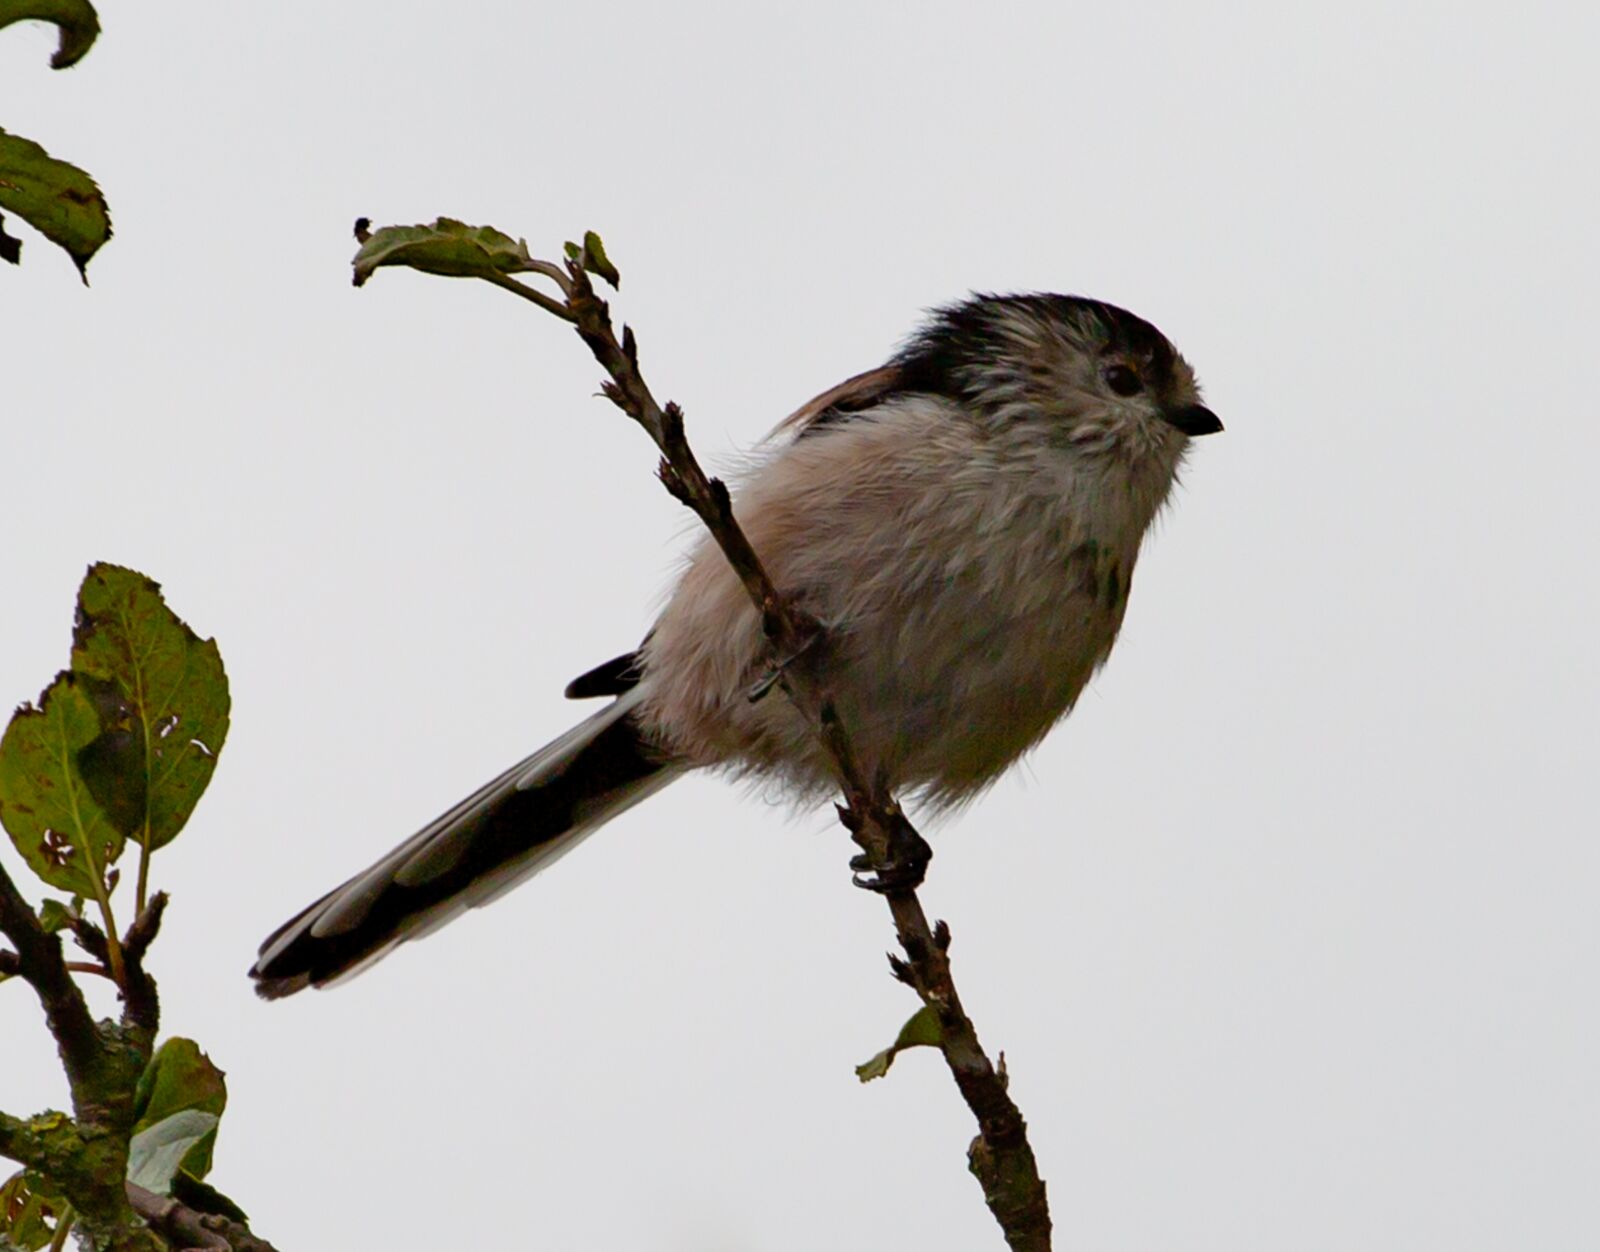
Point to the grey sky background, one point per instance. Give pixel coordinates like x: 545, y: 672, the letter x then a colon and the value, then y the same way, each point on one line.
x: 1288, y: 934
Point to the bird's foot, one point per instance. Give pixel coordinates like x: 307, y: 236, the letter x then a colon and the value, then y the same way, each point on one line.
x: 904, y: 866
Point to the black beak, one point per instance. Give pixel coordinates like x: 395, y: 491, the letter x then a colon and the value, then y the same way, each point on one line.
x: 1193, y: 420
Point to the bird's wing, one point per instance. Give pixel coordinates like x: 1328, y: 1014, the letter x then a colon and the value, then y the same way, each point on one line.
x: 851, y: 396
x: 610, y: 678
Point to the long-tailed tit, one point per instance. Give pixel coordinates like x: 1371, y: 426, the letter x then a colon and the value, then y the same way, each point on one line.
x: 964, y: 521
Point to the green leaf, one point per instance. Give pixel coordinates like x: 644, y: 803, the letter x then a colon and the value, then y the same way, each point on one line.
x: 54, y: 915
x: 163, y: 701
x: 156, y: 1153
x: 596, y: 261
x: 27, y: 1215
x: 112, y: 765
x: 10, y: 245
x: 181, y: 1078
x: 205, y: 1198
x: 920, y: 1031
x: 61, y: 831
x: 58, y: 200
x: 448, y: 247
x: 78, y: 21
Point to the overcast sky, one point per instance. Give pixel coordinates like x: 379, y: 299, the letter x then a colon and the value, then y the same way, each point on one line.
x: 1289, y: 933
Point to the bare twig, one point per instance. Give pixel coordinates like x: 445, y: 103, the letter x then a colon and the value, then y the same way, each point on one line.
x: 141, y: 1008
x: 90, y: 938
x: 1000, y: 1156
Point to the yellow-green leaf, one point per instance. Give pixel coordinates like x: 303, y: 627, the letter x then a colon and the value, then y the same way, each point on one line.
x: 596, y: 261
x: 77, y: 19
x: 54, y: 915
x: 447, y: 247
x: 920, y: 1031
x: 27, y: 1214
x: 58, y: 200
x: 180, y: 1078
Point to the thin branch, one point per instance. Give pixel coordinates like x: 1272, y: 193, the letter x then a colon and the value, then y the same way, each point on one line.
x: 1000, y: 1157
x: 89, y: 937
x: 20, y: 1142
x: 141, y: 1007
x: 138, y: 990
x: 40, y: 961
x: 789, y: 630
x: 185, y: 1227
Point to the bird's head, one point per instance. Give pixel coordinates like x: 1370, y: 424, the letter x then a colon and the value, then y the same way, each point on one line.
x: 1085, y: 374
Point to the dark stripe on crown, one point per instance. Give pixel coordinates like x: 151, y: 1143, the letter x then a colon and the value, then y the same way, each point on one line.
x: 960, y: 343
x: 956, y: 353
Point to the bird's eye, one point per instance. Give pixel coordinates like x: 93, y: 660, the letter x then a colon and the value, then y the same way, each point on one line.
x: 1122, y: 380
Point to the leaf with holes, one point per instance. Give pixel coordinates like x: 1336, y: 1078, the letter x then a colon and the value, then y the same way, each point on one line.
x: 180, y: 1077
x: 163, y: 701
x: 46, y: 807
x: 28, y: 1214
x: 58, y: 200
x: 447, y: 247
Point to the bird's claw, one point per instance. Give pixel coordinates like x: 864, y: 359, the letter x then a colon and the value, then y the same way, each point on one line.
x: 904, y: 868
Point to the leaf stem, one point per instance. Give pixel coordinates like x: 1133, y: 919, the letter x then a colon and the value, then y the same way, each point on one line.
x: 97, y: 875
x: 103, y: 897
x: 144, y: 867
x: 64, y: 1222
x: 528, y: 293
x: 140, y: 702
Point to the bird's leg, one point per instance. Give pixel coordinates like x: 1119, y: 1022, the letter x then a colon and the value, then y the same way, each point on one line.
x: 782, y: 660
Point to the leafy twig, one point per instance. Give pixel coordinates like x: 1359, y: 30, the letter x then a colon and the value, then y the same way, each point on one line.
x: 86, y: 1155
x: 894, y: 855
x: 1000, y: 1156
x: 96, y: 759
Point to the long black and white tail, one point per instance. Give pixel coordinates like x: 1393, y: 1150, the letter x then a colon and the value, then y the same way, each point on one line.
x: 507, y: 830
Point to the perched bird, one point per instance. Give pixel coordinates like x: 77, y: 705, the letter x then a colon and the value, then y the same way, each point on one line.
x: 963, y: 521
